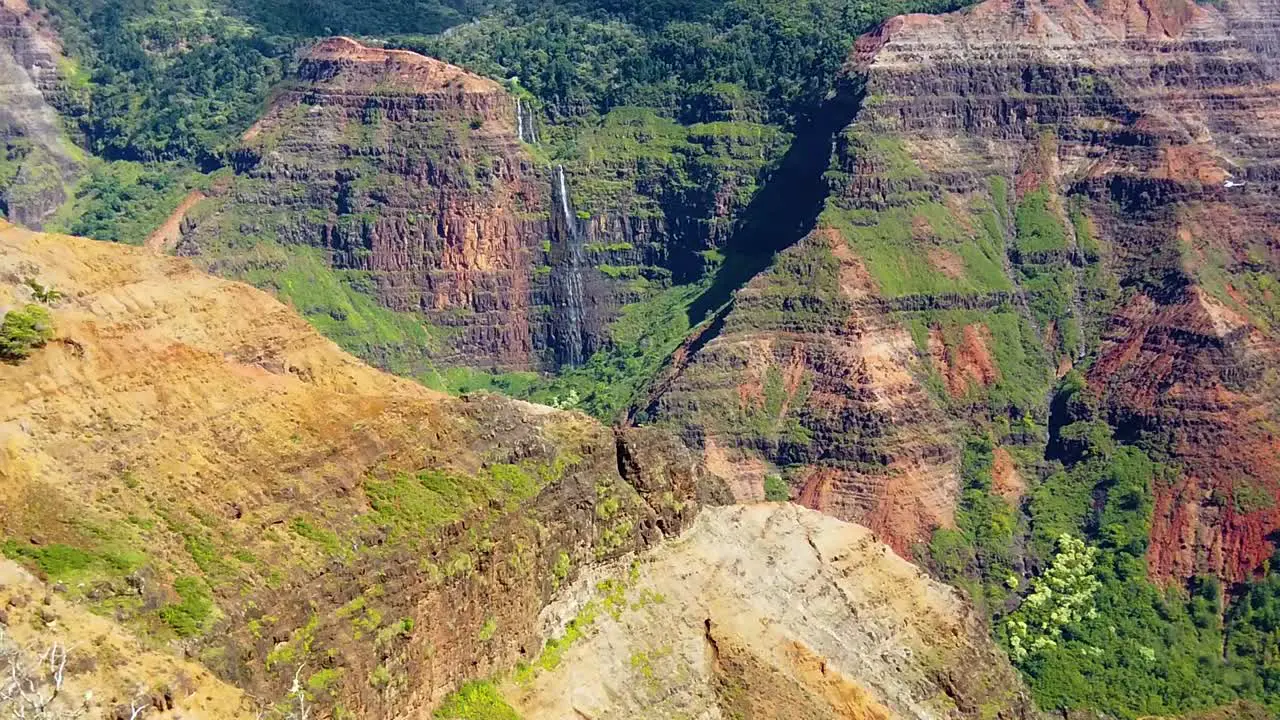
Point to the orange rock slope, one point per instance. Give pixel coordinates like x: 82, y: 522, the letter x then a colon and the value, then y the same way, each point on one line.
x: 206, y: 468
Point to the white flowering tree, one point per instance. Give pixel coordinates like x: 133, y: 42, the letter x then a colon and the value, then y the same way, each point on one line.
x: 1061, y: 596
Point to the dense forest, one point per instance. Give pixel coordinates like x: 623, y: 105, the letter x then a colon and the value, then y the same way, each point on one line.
x: 160, y: 90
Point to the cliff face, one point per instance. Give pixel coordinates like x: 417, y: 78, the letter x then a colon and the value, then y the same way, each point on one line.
x: 38, y: 161
x: 429, y: 188
x: 191, y: 462
x: 190, y: 457
x: 822, y: 621
x: 1026, y: 185
x: 1154, y: 125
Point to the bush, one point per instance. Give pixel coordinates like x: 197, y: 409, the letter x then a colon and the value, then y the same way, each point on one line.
x: 776, y: 489
x: 23, y: 331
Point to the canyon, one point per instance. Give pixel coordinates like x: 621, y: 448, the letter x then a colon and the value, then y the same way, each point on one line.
x: 1010, y: 282
x: 189, y: 459
x: 426, y: 187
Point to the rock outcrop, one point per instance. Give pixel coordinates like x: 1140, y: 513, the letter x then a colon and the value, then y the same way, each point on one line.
x: 429, y: 188
x: 1155, y: 125
x: 39, y: 162
x: 818, y: 621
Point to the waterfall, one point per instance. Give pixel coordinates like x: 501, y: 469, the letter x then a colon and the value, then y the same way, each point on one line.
x: 564, y: 199
x: 567, y: 281
x: 525, y: 129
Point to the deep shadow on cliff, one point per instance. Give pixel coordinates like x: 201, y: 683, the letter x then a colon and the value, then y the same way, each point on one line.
x: 788, y: 204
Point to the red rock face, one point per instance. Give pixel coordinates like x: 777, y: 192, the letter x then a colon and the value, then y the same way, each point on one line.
x: 407, y: 169
x: 1164, y: 122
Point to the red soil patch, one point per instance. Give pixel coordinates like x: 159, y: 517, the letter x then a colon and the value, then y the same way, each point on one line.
x: 967, y: 362
x: 947, y: 263
x: 1005, y: 477
x: 167, y: 235
x: 855, y: 281
x: 1189, y: 163
x: 816, y: 493
x: 419, y: 72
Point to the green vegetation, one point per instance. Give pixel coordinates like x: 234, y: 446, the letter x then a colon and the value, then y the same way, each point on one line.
x: 1023, y: 376
x: 701, y: 60
x: 776, y: 489
x: 188, y: 617
x: 478, y: 700
x: 612, y: 379
x: 1039, y: 229
x: 339, y: 303
x: 55, y: 561
x: 412, y: 505
x: 925, y: 248
x: 986, y: 525
x: 24, y: 330
x: 163, y: 79
x: 125, y: 201
x: 1087, y: 628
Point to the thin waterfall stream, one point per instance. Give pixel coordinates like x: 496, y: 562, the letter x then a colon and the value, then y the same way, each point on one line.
x: 571, y: 348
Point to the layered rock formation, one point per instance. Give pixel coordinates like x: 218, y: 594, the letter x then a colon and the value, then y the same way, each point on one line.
x: 188, y: 457
x: 39, y: 161
x: 428, y: 188
x: 1155, y: 126
x: 1026, y: 185
x: 191, y: 457
x: 820, y: 621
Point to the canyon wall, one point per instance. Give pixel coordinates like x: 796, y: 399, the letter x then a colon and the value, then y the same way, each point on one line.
x: 190, y: 457
x: 434, y: 191
x: 39, y: 162
x: 1025, y: 186
x: 189, y: 460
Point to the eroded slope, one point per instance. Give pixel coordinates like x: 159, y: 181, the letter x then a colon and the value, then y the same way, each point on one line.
x: 773, y: 611
x: 189, y: 456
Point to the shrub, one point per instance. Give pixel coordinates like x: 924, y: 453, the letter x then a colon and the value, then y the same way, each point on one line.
x: 188, y: 617
x: 776, y: 489
x: 23, y: 331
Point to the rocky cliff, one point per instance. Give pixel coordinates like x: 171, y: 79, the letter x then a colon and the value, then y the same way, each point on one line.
x: 1026, y: 186
x: 39, y: 162
x: 190, y: 457
x: 189, y: 460
x: 432, y: 190
x: 820, y: 621
x: 1150, y: 131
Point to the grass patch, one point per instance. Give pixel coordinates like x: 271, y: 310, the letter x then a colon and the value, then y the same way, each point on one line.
x: 903, y: 248
x: 189, y: 616
x: 477, y: 700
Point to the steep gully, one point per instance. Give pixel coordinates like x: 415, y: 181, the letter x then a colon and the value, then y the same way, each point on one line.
x: 783, y: 211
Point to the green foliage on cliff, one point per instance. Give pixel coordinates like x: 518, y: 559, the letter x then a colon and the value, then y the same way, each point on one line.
x: 1086, y: 626
x: 339, y: 303
x: 124, y: 201
x: 981, y: 546
x: 925, y: 248
x: 478, y: 700
x: 23, y: 330
x: 1023, y: 377
x: 167, y: 79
